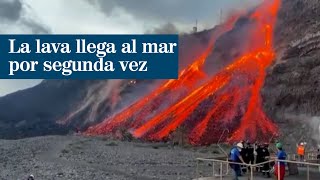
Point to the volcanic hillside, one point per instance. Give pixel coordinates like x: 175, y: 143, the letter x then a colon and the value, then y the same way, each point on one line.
x: 219, y: 90
x: 223, y: 86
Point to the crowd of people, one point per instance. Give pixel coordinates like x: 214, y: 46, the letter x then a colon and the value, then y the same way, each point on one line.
x: 258, y: 153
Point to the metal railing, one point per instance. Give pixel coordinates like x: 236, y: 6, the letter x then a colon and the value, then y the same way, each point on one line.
x: 227, y: 163
x: 308, y: 156
x: 297, y: 162
x: 221, y: 167
x: 252, y: 166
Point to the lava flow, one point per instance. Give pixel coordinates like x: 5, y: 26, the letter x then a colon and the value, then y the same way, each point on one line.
x: 208, y: 104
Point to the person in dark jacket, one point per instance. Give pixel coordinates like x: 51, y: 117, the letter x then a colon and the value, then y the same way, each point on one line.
x: 266, y: 157
x: 250, y: 153
x: 244, y: 154
x: 259, y: 159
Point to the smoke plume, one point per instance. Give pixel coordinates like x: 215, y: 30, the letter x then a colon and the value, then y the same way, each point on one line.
x: 17, y: 17
x: 308, y: 131
x: 167, y: 28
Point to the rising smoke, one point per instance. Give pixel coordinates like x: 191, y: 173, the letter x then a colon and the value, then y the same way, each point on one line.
x: 168, y: 28
x: 315, y: 125
x: 308, y: 131
x: 17, y: 17
x: 98, y: 94
x: 10, y: 9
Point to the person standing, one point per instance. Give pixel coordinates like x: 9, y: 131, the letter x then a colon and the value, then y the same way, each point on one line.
x: 235, y: 157
x: 266, y: 157
x: 259, y: 158
x: 301, y: 151
x: 244, y: 155
x: 318, y: 158
x: 280, y: 167
x: 250, y: 153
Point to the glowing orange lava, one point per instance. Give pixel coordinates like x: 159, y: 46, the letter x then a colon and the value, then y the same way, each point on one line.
x: 232, y: 94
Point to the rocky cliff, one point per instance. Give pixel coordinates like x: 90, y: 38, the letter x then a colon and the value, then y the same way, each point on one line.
x: 292, y: 90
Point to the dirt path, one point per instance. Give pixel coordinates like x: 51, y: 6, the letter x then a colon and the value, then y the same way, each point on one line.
x: 82, y: 158
x: 53, y: 155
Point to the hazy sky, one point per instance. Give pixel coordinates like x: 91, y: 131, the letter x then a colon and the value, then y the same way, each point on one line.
x: 106, y: 17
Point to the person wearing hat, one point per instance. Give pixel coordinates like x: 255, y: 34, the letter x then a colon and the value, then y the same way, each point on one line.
x: 235, y: 157
x: 280, y: 167
x: 301, y: 151
x: 31, y: 177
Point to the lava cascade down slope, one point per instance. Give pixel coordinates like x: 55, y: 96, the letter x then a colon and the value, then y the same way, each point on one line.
x: 207, y: 103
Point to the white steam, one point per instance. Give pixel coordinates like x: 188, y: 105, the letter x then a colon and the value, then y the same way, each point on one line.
x: 97, y: 95
x: 315, y: 124
x: 308, y: 127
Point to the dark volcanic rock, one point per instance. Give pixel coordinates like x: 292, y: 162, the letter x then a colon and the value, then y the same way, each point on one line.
x: 292, y: 95
x: 292, y: 88
x: 32, y: 111
x: 37, y: 111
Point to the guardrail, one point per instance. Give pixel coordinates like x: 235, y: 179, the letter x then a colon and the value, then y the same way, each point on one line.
x: 296, y: 162
x: 252, y: 166
x: 308, y: 156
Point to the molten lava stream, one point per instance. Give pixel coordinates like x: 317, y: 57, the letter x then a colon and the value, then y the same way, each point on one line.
x: 255, y: 118
x: 166, y: 99
x: 256, y: 57
x: 188, y: 77
x: 199, y: 130
x: 187, y: 105
x: 181, y: 110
